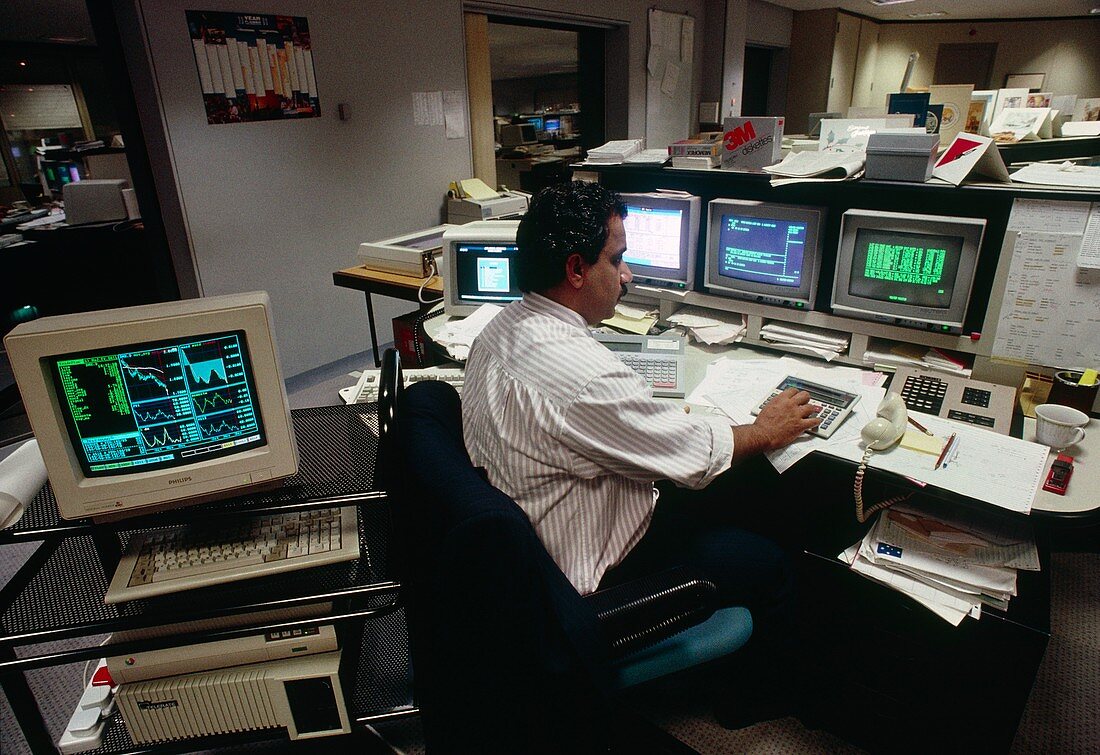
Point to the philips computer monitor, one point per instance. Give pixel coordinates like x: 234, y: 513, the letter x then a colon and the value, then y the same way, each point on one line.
x: 662, y: 235
x: 764, y: 252
x: 141, y: 408
x: 910, y: 270
x: 479, y: 266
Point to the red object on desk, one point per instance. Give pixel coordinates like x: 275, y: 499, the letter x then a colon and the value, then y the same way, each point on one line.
x: 1060, y: 472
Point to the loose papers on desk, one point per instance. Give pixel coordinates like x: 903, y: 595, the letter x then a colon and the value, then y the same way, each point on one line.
x: 1064, y: 174
x: 913, y: 355
x: 825, y: 343
x: 456, y: 336
x: 737, y: 386
x: 952, y: 566
x: 710, y: 327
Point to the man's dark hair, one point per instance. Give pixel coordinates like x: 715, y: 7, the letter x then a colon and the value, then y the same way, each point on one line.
x: 563, y: 219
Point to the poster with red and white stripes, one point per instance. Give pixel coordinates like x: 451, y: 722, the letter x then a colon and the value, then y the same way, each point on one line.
x: 254, y: 66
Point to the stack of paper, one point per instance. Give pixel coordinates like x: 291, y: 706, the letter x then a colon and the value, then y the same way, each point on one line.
x: 818, y: 166
x: 912, y: 355
x: 826, y: 344
x: 950, y: 566
x: 632, y: 319
x: 648, y: 156
x: 709, y: 326
x: 614, y: 152
x: 457, y: 335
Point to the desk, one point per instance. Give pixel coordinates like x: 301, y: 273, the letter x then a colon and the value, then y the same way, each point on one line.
x: 530, y: 173
x: 385, y: 284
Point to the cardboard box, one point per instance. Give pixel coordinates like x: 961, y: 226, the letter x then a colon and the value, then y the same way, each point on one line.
x: 751, y: 143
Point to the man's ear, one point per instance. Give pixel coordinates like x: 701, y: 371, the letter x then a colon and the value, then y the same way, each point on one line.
x: 574, y: 270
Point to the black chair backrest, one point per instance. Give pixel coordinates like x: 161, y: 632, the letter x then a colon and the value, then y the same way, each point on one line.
x: 507, y: 655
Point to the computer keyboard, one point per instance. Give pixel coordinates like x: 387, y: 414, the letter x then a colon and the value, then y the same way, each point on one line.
x: 191, y: 556
x: 366, y: 390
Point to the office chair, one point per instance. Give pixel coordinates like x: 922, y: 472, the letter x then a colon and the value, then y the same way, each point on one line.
x: 507, y: 656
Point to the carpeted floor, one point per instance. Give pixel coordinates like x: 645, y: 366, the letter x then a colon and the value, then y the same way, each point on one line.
x: 1062, y: 716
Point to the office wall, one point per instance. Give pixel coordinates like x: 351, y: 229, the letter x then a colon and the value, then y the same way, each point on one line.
x: 281, y: 205
x: 767, y: 24
x: 1065, y: 50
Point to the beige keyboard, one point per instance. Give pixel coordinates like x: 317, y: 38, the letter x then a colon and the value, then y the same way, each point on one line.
x: 189, y: 556
x: 366, y: 390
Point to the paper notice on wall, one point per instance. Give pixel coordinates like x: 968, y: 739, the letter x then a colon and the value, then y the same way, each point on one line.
x: 670, y: 79
x: 454, y: 113
x: 1048, y: 215
x: 1050, y: 310
x: 427, y: 108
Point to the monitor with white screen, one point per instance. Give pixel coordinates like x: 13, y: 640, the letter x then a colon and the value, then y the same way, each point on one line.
x: 662, y: 235
x: 142, y: 408
x: 909, y: 270
x: 765, y: 252
x: 479, y: 266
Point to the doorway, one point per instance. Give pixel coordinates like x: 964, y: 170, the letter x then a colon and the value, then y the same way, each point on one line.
x: 537, y: 97
x: 965, y: 63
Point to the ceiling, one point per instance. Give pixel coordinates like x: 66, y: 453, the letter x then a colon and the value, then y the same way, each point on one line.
x: 46, y: 21
x: 517, y: 52
x: 41, y: 20
x: 958, y: 9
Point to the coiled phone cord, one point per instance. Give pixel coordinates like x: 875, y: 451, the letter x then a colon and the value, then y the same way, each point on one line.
x: 857, y: 492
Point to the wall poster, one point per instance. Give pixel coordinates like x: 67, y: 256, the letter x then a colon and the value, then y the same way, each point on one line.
x: 253, y: 66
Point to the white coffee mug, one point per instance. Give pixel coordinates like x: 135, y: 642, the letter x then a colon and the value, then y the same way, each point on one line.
x: 1059, y: 426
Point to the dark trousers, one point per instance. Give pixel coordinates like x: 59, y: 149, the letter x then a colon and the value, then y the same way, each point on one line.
x: 700, y: 529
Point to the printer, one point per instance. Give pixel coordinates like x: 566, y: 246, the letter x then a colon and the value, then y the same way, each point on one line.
x: 506, y: 204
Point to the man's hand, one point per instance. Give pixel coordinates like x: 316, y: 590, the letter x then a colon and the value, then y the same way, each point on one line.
x: 779, y: 424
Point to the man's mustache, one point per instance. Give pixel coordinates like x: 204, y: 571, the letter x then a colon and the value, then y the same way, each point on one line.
x: 622, y: 290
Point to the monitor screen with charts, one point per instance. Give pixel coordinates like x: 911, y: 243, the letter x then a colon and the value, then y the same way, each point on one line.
x: 910, y: 270
x: 662, y: 235
x: 164, y: 404
x: 479, y: 266
x: 764, y: 252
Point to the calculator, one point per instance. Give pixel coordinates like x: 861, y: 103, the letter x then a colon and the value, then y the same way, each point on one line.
x: 834, y: 405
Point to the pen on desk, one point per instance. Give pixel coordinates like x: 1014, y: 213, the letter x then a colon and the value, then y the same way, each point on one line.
x: 919, y: 426
x: 943, y: 453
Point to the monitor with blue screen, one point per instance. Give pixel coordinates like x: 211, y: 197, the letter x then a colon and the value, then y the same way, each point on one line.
x: 764, y: 252
x: 662, y: 234
x: 552, y: 124
x: 534, y: 120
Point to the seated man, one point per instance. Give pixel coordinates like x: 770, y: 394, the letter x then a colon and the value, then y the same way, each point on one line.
x: 575, y: 437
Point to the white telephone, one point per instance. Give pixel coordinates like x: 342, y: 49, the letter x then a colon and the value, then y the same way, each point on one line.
x: 888, y: 426
x: 886, y: 429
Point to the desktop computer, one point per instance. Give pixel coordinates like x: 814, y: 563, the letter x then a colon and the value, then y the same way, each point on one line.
x: 662, y: 234
x: 143, y: 408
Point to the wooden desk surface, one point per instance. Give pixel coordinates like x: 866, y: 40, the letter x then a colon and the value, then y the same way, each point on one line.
x: 376, y: 281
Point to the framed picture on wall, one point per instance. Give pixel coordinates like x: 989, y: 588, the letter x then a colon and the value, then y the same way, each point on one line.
x: 1032, y: 81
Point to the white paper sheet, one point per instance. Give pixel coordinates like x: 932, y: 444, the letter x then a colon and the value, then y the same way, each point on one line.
x: 990, y: 467
x: 1050, y: 310
x: 22, y: 475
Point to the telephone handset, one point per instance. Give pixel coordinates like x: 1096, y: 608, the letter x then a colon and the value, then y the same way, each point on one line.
x: 888, y: 426
x: 886, y: 429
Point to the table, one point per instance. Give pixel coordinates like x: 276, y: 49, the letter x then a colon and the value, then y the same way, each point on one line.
x: 337, y: 446
x: 372, y: 282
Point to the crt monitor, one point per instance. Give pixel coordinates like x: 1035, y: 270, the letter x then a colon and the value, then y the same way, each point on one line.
x: 910, y: 270
x: 516, y: 134
x: 552, y: 125
x: 762, y: 251
x: 662, y: 235
x: 534, y: 120
x: 479, y: 266
x: 142, y: 408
